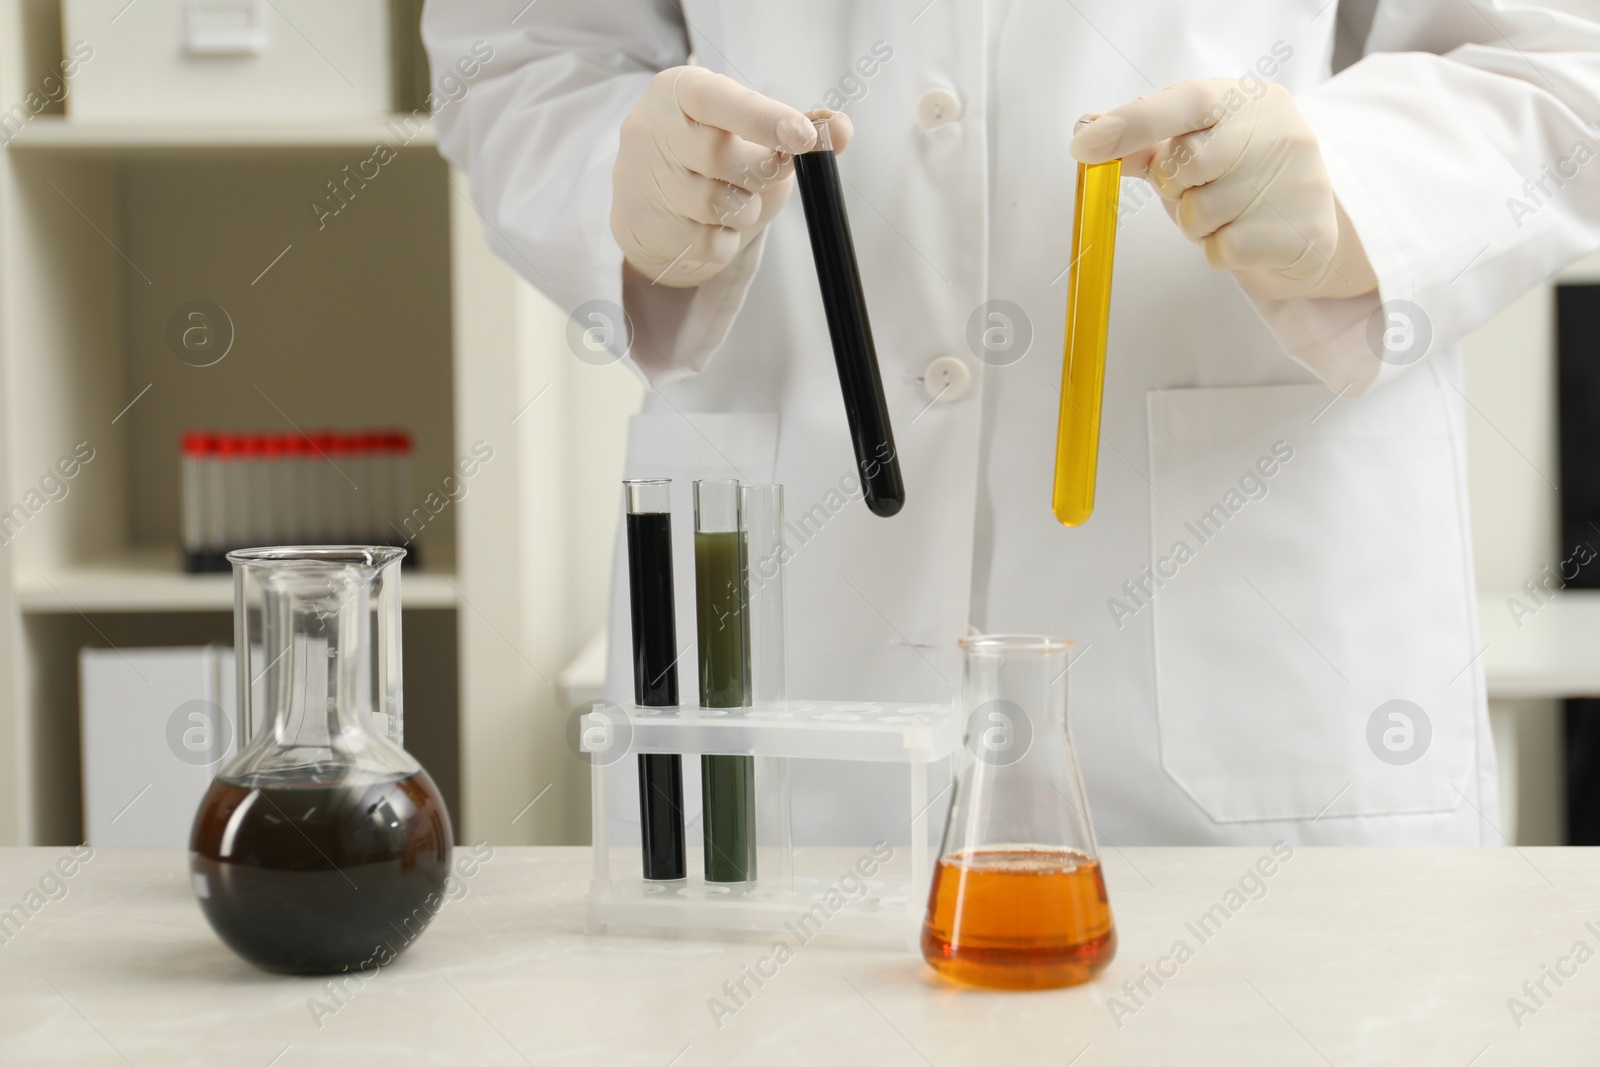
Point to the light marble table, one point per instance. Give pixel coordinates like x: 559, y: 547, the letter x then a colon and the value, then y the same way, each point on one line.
x: 1344, y: 956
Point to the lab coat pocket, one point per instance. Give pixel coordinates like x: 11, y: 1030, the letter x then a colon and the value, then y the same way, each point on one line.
x: 1310, y: 601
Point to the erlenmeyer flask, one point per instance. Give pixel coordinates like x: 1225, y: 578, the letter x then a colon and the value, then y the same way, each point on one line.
x: 323, y: 846
x: 1018, y: 900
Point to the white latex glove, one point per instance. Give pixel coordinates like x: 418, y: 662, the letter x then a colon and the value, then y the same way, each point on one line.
x: 703, y: 165
x: 1240, y: 171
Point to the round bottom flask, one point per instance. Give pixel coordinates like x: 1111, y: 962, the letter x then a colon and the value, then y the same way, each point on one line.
x: 323, y: 846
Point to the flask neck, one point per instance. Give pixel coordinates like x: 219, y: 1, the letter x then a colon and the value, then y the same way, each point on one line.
x: 316, y: 641
x: 325, y: 674
x: 1020, y: 787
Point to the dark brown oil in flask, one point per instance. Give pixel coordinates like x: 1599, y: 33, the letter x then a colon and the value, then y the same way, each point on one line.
x: 1018, y: 919
x: 314, y: 876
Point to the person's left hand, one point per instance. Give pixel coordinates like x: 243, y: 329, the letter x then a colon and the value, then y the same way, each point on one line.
x: 1240, y: 171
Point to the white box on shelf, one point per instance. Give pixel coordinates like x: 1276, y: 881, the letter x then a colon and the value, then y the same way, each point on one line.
x: 227, y: 60
x: 157, y: 724
x: 874, y: 896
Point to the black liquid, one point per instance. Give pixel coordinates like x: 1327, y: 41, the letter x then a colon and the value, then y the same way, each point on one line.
x: 655, y: 685
x: 317, y: 877
x: 865, y: 407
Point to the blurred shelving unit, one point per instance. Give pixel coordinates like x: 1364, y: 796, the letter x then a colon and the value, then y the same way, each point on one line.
x: 55, y: 133
x: 389, y: 311
x: 149, y: 580
x: 1541, y: 649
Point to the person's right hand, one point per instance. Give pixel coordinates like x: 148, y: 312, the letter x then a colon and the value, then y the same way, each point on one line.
x: 703, y: 165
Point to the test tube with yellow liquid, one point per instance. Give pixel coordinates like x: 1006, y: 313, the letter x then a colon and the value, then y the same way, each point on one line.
x: 1083, y: 361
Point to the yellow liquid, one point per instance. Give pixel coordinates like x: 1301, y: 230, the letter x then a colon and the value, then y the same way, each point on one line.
x: 1018, y: 918
x: 1083, y: 366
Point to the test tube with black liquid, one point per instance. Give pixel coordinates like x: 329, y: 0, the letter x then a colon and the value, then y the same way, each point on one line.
x: 866, y: 410
x: 655, y: 671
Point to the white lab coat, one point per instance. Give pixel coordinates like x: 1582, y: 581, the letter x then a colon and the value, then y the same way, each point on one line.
x: 1229, y: 703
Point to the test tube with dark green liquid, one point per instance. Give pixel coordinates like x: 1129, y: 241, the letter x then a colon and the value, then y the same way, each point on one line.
x: 721, y: 570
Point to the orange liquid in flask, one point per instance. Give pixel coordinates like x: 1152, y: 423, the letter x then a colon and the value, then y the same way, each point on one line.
x: 1018, y: 918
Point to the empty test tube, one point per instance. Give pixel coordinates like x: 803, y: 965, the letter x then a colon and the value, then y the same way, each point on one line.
x: 363, y: 468
x: 1083, y: 366
x: 260, y: 523
x: 235, y: 492
x: 193, y: 448
x: 399, y: 465
x: 843, y: 300
x: 303, y: 473
x: 761, y: 509
x: 384, y: 504
x: 282, y: 489
x: 214, y: 503
x: 344, y: 480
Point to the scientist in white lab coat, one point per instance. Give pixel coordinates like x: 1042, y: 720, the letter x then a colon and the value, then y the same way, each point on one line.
x: 1273, y: 603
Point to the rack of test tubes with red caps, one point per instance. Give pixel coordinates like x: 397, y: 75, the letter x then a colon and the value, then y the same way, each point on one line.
x: 723, y: 857
x: 247, y: 490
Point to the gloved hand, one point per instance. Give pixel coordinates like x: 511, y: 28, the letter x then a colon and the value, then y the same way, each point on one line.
x: 1239, y: 170
x: 703, y: 165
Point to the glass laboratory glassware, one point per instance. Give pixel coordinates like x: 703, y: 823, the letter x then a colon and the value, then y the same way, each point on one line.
x: 323, y: 845
x: 761, y: 511
x: 197, y: 451
x: 655, y: 671
x: 721, y: 578
x: 1083, y: 366
x: 845, y: 304
x: 1018, y: 900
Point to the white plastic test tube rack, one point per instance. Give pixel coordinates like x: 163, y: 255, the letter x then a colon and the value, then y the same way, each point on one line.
x: 781, y: 899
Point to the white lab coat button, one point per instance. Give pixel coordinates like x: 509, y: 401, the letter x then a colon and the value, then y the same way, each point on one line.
x: 947, y: 380
x: 938, y: 107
